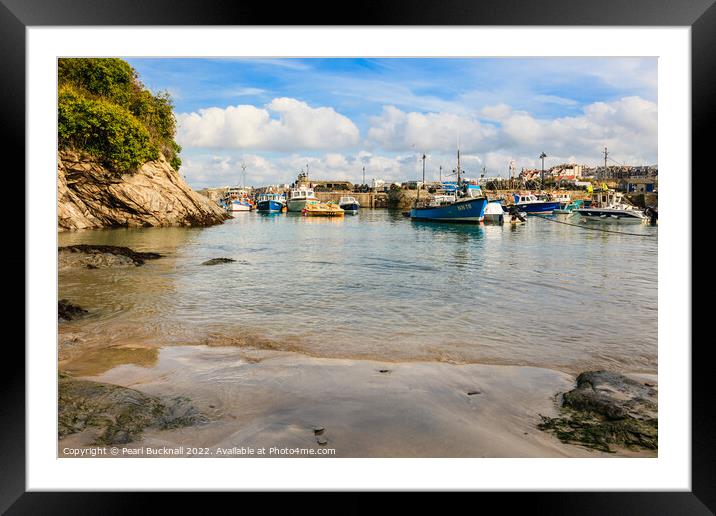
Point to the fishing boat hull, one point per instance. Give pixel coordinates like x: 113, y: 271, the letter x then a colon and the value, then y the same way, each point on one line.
x: 612, y: 215
x: 350, y: 208
x: 535, y: 207
x: 239, y: 206
x: 298, y: 205
x: 467, y: 211
x: 269, y: 206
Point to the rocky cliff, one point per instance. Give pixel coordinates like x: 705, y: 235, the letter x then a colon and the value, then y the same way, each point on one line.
x: 91, y: 196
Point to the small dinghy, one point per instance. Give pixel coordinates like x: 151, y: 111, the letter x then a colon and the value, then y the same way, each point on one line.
x: 494, y: 213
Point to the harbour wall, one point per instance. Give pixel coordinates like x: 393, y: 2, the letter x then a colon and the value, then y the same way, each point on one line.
x: 403, y: 199
x: 366, y: 200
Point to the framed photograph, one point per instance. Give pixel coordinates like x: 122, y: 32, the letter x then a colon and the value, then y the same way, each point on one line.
x: 419, y: 252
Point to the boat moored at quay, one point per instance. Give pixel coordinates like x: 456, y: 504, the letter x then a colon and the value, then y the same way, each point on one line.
x: 237, y: 200
x: 349, y: 204
x: 270, y: 203
x: 528, y: 203
x: 466, y: 203
x: 458, y: 209
x: 609, y: 206
x: 320, y: 209
x: 300, y: 198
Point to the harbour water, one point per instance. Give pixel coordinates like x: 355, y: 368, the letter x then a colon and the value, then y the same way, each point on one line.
x: 374, y: 286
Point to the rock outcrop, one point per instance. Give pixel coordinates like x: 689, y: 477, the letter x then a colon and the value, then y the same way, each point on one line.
x: 607, y: 409
x: 101, y: 256
x: 91, y: 196
x: 217, y: 261
x: 117, y: 415
x: 67, y: 311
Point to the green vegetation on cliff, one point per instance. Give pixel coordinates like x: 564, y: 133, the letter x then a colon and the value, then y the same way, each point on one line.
x: 104, y: 110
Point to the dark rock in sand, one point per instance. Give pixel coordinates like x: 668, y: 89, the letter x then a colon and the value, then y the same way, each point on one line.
x: 473, y: 393
x: 216, y: 261
x: 318, y: 430
x: 66, y: 311
x: 118, y: 415
x: 607, y: 409
x: 321, y: 441
x: 97, y: 256
x: 384, y: 371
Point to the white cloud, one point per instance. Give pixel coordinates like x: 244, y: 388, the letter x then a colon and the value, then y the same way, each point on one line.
x: 628, y: 126
x: 397, y: 130
x: 294, y: 126
x: 497, y: 112
x: 243, y: 91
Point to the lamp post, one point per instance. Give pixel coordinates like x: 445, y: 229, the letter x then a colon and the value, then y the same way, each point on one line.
x: 420, y: 185
x: 542, y: 157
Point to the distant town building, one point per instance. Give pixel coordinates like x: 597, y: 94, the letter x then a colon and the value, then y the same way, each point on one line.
x: 638, y: 185
x: 627, y: 172
x: 568, y: 171
x: 323, y: 185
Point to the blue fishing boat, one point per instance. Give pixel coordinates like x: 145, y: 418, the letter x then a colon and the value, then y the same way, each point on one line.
x: 466, y: 203
x: 528, y: 203
x: 454, y: 210
x: 270, y: 203
x: 349, y: 204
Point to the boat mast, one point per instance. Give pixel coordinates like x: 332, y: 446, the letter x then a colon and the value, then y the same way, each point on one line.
x: 458, y: 166
x: 243, y: 174
x: 418, y: 196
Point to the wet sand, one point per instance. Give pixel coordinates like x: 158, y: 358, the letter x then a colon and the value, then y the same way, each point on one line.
x: 359, y: 408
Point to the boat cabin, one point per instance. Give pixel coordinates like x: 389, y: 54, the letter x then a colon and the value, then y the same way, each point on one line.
x: 347, y: 200
x: 562, y: 198
x: 441, y: 199
x: 606, y: 198
x: 270, y: 197
x: 525, y: 198
x: 302, y: 193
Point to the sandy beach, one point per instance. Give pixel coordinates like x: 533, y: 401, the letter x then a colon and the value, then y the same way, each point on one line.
x: 359, y: 408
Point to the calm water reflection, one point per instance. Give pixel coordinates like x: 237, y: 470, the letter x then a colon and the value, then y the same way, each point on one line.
x: 378, y: 285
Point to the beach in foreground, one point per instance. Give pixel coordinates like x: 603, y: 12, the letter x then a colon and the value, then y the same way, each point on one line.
x: 289, y: 403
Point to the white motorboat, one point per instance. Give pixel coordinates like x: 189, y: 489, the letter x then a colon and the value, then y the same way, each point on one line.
x: 609, y: 206
x: 494, y: 213
x: 349, y: 204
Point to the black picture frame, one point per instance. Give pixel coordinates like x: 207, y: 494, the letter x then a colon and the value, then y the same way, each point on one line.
x: 700, y: 15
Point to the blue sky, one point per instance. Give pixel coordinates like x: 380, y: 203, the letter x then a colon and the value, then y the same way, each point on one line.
x: 338, y: 115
